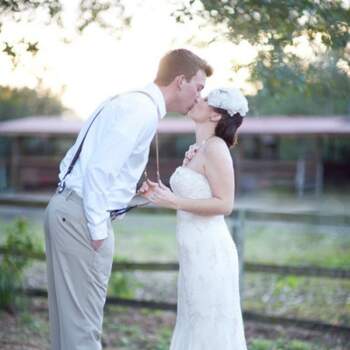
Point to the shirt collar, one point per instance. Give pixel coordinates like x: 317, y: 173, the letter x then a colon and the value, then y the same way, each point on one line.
x: 155, y: 92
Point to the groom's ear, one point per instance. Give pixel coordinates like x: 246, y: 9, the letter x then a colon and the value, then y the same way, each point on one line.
x: 179, y: 81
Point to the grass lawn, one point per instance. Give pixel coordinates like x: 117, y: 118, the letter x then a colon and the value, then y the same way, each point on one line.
x: 296, y: 244
x: 146, y: 237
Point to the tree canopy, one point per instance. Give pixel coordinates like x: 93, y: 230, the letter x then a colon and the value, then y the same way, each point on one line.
x: 15, y: 103
x: 273, y: 25
x: 107, y: 14
x: 281, y: 31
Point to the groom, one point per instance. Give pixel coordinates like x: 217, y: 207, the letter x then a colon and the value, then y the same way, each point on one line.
x: 100, y: 173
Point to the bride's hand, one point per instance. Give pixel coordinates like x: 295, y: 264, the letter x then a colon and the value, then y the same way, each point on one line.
x: 190, y: 153
x: 147, y: 188
x: 164, y: 197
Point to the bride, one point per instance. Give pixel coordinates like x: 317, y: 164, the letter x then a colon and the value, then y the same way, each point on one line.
x: 208, y: 313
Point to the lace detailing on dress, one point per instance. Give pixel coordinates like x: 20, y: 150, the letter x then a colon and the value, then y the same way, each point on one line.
x: 209, y: 313
x: 190, y: 184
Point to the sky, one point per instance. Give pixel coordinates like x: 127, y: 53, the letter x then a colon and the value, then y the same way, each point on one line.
x: 96, y: 65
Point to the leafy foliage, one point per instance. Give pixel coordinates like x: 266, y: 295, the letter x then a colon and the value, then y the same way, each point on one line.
x: 122, y: 284
x: 275, y: 23
x: 280, y: 31
x: 18, y: 239
x: 321, y: 89
x: 15, y: 103
x: 104, y: 13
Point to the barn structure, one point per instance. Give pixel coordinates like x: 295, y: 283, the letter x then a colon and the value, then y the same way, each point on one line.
x: 293, y: 152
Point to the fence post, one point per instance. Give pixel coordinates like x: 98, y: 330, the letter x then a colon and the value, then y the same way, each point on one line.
x: 237, y: 232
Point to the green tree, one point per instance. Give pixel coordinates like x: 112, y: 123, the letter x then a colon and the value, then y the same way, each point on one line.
x: 321, y: 89
x: 104, y: 13
x: 15, y: 103
x: 275, y: 27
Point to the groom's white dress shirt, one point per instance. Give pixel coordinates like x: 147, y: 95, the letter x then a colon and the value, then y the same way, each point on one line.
x: 114, y: 155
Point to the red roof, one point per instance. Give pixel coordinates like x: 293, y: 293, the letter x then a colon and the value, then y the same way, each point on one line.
x: 280, y: 125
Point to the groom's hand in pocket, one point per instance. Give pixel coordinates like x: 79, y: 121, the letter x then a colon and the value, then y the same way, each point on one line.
x: 96, y: 244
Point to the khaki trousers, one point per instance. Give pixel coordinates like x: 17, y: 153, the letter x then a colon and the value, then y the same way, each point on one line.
x: 77, y: 275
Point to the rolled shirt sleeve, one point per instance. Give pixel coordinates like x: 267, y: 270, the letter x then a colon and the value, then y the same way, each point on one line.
x: 116, y: 143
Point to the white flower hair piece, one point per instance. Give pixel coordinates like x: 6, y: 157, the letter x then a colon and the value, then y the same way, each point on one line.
x: 232, y: 100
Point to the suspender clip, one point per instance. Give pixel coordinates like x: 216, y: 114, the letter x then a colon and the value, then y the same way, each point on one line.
x: 61, y: 186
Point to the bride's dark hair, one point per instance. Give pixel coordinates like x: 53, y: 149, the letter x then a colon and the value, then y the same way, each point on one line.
x: 227, y: 126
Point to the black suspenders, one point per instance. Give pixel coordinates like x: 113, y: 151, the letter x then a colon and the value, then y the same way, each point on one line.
x: 61, y: 184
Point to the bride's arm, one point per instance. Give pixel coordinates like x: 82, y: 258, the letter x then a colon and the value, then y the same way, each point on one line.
x: 220, y: 175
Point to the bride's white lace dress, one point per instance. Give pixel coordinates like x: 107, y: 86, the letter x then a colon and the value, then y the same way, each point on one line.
x: 208, y: 312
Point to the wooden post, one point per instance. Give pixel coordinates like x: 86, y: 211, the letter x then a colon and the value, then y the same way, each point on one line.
x: 319, y: 166
x: 14, y: 164
x: 300, y: 177
x: 237, y: 232
x: 300, y: 174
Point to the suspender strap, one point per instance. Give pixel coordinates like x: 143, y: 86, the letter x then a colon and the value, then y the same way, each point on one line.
x: 62, y: 185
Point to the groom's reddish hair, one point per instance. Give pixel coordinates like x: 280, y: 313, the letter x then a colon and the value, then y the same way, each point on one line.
x: 180, y: 62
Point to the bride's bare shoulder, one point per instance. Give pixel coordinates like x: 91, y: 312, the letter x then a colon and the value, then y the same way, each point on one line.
x: 216, y: 146
x: 218, y: 160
